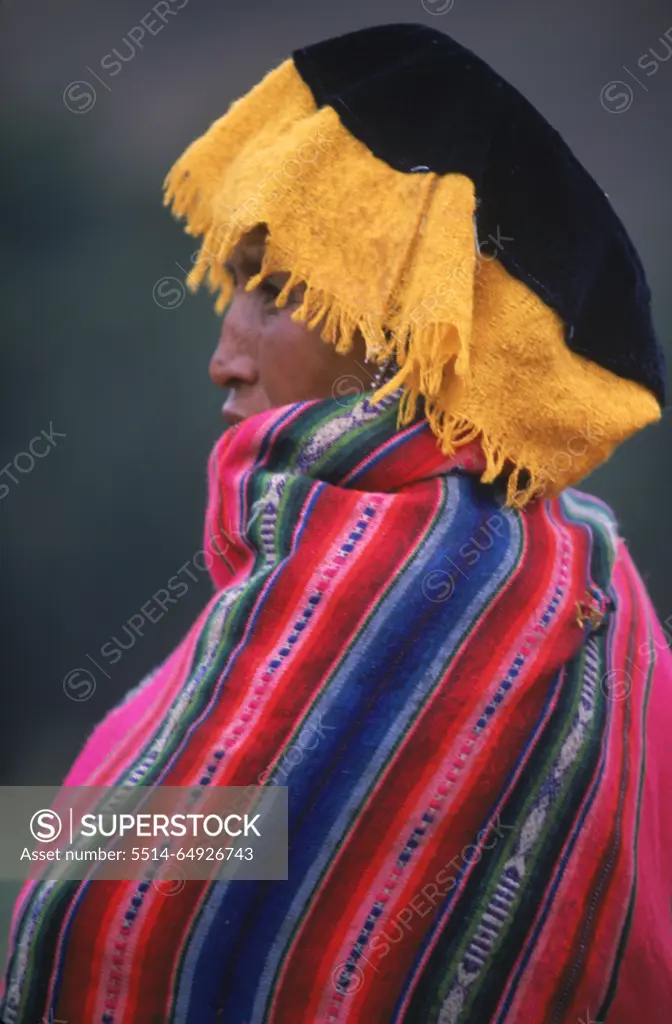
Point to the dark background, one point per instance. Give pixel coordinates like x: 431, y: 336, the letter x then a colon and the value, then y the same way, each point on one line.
x: 116, y: 508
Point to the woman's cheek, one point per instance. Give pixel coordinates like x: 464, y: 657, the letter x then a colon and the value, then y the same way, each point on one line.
x: 277, y: 365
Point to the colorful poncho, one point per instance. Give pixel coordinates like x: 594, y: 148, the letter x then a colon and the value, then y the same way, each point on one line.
x: 471, y: 707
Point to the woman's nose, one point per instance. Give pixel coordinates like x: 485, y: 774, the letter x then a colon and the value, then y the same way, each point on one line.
x: 233, y: 362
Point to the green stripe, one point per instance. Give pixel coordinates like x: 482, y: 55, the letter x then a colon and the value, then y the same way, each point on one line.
x: 620, y: 953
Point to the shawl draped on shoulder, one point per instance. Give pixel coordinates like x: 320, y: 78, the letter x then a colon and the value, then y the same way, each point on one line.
x: 470, y: 705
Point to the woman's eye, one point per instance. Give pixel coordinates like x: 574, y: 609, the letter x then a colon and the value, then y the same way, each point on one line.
x: 269, y: 289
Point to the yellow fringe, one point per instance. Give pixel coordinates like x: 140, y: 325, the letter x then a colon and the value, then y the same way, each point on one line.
x: 394, y: 256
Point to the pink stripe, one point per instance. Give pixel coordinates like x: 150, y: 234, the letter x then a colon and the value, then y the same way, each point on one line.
x: 129, y: 728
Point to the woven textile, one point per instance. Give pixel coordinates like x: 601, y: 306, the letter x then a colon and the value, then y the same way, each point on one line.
x: 471, y: 707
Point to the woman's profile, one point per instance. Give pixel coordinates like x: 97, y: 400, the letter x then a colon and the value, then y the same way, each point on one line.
x: 434, y: 326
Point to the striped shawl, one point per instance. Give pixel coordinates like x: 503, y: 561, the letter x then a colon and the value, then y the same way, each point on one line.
x: 471, y: 707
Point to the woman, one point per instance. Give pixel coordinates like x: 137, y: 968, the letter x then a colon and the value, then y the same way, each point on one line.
x: 419, y: 626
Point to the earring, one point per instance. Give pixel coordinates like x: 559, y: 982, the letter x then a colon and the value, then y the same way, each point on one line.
x: 385, y: 372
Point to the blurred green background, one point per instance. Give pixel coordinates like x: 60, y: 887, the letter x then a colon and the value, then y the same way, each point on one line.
x: 116, y: 508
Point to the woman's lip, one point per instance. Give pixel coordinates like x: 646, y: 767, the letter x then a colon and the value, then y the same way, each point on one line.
x: 232, y: 416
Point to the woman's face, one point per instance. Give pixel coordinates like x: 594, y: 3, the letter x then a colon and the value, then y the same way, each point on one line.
x: 263, y: 358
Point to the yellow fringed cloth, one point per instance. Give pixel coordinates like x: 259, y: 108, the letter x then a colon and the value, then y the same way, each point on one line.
x: 396, y: 256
